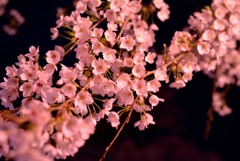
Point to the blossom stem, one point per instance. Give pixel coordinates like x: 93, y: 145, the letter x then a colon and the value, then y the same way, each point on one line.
x: 118, y: 133
x: 11, y: 116
x: 124, y: 24
x: 96, y: 24
x: 165, y: 65
x: 73, y: 44
x: 210, y: 112
x: 210, y: 116
x: 101, y: 100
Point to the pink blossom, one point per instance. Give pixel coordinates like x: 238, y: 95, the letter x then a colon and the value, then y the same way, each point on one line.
x: 4, y: 143
x: 187, y: 77
x: 11, y: 71
x: 49, y: 150
x: 234, y: 18
x: 188, y: 67
x: 141, y: 107
x: 160, y: 74
x: 109, y: 55
x: 81, y: 6
x: 83, y: 55
x: 53, y: 57
x: 158, y: 3
x: 127, y: 42
x: 26, y: 88
x: 221, y: 11
x: 140, y: 86
x: 95, y: 3
x: 180, y: 42
x: 97, y: 32
x: 146, y: 119
x: 209, y: 35
x: 154, y: 100
x: 110, y: 87
x: 115, y: 5
x: 115, y: 68
x: 236, y: 30
x: 82, y: 32
x: 231, y: 4
x: 178, y: 84
x: 33, y: 54
x: 98, y: 80
x: 54, y: 32
x: 113, y: 118
x: 139, y: 58
x: 29, y: 155
x: 50, y: 95
x: 109, y: 104
x: 45, y: 75
x: 128, y: 62
x: 153, y: 85
x: 223, y: 37
x: 204, y: 16
x: 38, y: 85
x: 125, y: 97
x: 112, y: 26
x: 69, y: 90
x: 110, y: 36
x: 81, y: 101
x: 7, y: 95
x: 11, y: 82
x: 36, y: 111
x: 99, y: 66
x: 97, y: 46
x: 150, y: 57
x: 99, y: 90
x: 82, y: 50
x: 219, y: 24
x: 203, y: 48
x: 68, y: 74
x: 123, y: 81
x: 28, y: 73
x: 110, y: 15
x: 154, y: 27
x: 138, y: 70
x: 131, y: 7
x: 225, y: 111
x: 142, y: 35
x: 69, y: 126
x: 163, y: 14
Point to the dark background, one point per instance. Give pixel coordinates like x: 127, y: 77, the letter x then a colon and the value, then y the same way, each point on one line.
x: 180, y: 122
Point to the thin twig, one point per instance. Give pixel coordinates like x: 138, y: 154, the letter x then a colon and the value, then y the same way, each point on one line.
x: 165, y: 65
x: 125, y: 23
x: 96, y: 24
x: 121, y: 31
x: 210, y: 116
x: 118, y: 133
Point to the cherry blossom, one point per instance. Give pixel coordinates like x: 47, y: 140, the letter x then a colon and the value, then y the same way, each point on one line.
x: 146, y: 119
x: 54, y: 108
x: 83, y: 99
x: 127, y: 42
x: 113, y: 118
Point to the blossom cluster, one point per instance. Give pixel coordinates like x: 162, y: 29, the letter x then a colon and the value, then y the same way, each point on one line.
x: 13, y: 17
x: 52, y: 109
x: 219, y: 27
